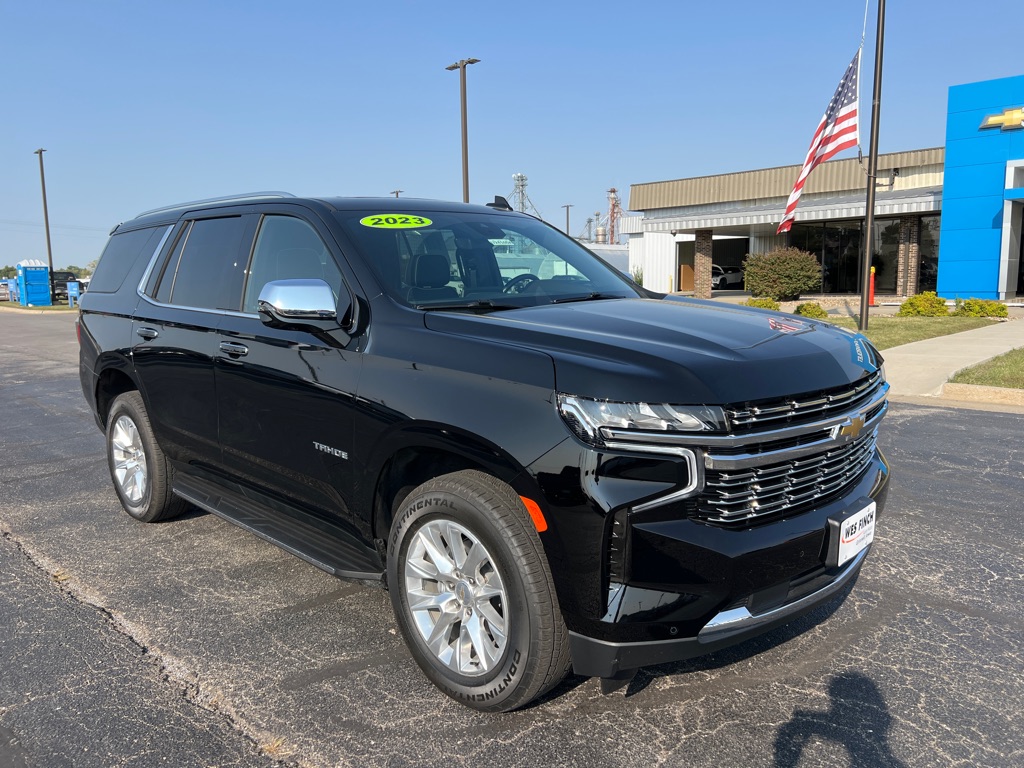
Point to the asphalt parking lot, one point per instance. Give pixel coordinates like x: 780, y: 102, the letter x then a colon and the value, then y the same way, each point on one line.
x: 193, y: 643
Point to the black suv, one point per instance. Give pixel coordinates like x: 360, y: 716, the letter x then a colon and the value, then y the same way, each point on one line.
x: 548, y: 466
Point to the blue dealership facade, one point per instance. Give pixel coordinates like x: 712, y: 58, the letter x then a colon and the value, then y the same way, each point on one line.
x: 983, y: 191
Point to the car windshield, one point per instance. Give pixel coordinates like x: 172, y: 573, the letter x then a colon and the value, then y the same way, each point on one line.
x: 465, y: 260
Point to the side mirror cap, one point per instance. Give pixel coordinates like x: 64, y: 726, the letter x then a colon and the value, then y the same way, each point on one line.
x: 306, y: 303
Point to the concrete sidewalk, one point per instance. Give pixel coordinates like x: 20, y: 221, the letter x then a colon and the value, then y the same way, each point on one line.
x: 922, y: 368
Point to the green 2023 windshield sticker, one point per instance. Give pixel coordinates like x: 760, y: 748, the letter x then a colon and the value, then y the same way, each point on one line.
x: 395, y: 221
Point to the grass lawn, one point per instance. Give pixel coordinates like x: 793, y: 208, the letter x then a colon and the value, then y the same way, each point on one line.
x: 1003, y: 371
x: 885, y: 332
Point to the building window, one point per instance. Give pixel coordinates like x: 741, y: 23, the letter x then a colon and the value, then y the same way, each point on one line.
x: 928, y: 272
x: 885, y: 254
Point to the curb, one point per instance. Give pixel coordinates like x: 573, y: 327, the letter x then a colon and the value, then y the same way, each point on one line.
x: 976, y: 393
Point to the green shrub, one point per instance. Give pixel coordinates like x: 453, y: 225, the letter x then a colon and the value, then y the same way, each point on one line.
x: 638, y: 274
x: 927, y: 304
x: 980, y: 308
x: 811, y: 309
x: 762, y: 303
x: 783, y: 274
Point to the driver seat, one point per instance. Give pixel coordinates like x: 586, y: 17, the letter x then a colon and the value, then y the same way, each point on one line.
x: 430, y: 274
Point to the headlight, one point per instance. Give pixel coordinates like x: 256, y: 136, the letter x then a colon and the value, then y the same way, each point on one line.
x: 600, y: 422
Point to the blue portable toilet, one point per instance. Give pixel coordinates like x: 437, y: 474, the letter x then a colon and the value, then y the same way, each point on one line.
x: 33, y: 284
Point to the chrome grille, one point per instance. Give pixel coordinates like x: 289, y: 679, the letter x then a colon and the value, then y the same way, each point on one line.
x: 793, y: 410
x: 741, y: 495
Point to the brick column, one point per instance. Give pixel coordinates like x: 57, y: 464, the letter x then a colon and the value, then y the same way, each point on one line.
x: 909, y: 255
x: 702, y: 264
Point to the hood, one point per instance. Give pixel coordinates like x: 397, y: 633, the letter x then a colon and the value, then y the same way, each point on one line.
x: 678, y: 351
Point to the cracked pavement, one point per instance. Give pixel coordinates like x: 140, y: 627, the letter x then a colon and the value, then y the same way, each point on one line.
x: 193, y: 643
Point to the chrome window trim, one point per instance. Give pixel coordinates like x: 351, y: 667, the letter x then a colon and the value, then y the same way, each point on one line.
x: 168, y: 228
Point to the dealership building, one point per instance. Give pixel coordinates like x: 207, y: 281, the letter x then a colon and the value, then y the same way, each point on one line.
x: 947, y: 219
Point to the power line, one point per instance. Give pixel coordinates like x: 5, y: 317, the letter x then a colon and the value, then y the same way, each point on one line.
x: 16, y: 222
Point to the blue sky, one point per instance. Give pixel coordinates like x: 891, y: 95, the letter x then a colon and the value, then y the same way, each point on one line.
x: 141, y: 104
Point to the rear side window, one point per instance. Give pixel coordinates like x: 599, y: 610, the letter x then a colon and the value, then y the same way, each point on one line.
x: 121, y: 253
x: 207, y: 267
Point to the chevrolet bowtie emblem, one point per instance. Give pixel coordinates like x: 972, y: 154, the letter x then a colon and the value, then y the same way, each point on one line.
x: 1007, y: 121
x: 853, y: 428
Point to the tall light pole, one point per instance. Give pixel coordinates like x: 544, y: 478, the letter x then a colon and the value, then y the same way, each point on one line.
x: 567, y: 207
x: 46, y: 215
x: 461, y: 65
x: 397, y: 192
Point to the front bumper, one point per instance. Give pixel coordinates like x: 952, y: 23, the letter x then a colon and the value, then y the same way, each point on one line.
x: 600, y: 658
x: 739, y: 584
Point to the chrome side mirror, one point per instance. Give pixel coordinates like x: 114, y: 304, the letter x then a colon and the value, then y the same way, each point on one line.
x: 305, y: 303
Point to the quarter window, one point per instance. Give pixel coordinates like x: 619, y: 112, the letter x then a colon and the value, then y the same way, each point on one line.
x: 121, y: 254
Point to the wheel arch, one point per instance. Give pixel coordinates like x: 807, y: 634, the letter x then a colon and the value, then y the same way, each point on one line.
x: 112, y: 380
x: 413, y: 455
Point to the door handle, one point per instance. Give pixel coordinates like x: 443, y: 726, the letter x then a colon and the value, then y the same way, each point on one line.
x: 147, y: 333
x: 234, y: 348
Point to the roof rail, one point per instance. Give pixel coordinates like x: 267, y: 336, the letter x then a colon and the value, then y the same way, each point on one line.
x: 244, y: 198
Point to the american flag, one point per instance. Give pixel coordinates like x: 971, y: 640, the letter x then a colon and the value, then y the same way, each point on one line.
x: 836, y: 131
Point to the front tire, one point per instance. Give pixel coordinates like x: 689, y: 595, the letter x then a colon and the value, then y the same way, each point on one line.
x: 141, y: 472
x: 473, y: 595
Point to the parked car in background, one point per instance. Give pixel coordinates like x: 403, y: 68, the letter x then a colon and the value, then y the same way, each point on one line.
x: 59, y: 284
x: 725, y: 278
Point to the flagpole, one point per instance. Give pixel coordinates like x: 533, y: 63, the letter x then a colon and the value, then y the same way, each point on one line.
x: 869, y: 217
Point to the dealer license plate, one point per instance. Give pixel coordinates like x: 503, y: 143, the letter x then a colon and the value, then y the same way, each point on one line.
x: 856, y: 532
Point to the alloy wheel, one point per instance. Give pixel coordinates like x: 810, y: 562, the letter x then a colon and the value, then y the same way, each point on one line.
x: 457, y: 598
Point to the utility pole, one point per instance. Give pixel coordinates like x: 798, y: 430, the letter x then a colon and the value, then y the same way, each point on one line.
x: 869, y: 213
x: 46, y: 216
x: 567, y: 207
x: 461, y: 65
x: 396, y: 192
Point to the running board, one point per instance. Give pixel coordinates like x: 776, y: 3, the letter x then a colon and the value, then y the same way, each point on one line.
x: 326, y: 546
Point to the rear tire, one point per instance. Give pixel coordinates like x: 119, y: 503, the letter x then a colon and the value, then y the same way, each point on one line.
x: 141, y: 473
x: 473, y: 594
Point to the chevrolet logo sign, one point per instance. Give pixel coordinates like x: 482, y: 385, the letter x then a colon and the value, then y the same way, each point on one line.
x: 1009, y: 120
x: 851, y: 430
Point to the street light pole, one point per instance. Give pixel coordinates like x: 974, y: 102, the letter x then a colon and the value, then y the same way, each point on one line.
x: 461, y: 65
x: 567, y: 207
x: 46, y: 215
x: 397, y: 192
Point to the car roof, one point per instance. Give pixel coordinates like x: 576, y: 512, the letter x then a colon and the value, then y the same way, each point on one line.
x: 171, y: 214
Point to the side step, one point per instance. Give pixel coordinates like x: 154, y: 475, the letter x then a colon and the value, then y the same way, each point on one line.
x: 318, y: 542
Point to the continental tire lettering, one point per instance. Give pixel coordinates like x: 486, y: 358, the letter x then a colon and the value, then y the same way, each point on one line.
x: 412, y: 509
x: 424, y: 503
x: 500, y: 687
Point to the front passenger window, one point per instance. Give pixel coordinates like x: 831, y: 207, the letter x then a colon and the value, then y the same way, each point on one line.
x: 286, y: 249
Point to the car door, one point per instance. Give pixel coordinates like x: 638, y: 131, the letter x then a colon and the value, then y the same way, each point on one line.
x: 174, y: 331
x: 285, y: 396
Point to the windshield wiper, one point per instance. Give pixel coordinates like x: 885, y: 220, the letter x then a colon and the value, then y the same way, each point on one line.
x: 595, y: 296
x: 478, y: 305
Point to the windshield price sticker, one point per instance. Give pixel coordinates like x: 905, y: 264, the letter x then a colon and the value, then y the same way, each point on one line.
x: 395, y: 221
x: 856, y: 532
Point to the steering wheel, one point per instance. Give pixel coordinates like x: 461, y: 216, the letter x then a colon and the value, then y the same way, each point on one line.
x: 519, y: 282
